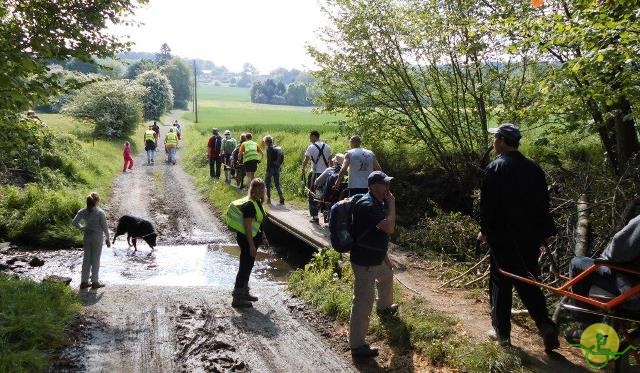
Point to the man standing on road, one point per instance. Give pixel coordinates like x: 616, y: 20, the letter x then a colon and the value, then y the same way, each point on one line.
x: 214, y: 148
x: 150, y: 142
x: 156, y: 129
x: 360, y: 162
x: 171, y: 145
x: 319, y: 154
x: 514, y: 222
x: 228, y: 146
x: 370, y: 261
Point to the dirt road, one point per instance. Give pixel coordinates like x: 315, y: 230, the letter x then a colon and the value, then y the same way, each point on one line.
x: 136, y: 327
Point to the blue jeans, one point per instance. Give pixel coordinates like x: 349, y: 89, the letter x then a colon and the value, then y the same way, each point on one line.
x: 313, y: 208
x: 150, y: 154
x: 172, y: 154
x: 275, y: 173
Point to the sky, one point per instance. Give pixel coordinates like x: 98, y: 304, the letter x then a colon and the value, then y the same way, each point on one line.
x: 265, y: 33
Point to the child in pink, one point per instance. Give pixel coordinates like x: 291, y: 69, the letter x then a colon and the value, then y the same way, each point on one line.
x: 126, y: 153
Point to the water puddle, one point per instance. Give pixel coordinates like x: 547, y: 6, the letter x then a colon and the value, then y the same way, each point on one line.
x: 213, y: 264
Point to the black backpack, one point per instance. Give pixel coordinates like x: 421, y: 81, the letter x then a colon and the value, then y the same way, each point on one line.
x: 341, y: 224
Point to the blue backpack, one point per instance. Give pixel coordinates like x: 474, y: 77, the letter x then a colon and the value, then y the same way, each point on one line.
x: 341, y: 224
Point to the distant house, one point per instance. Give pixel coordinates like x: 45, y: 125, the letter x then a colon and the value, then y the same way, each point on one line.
x: 205, y: 76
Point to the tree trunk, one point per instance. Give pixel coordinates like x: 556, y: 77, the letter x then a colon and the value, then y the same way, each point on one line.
x: 626, y: 135
x: 582, y: 227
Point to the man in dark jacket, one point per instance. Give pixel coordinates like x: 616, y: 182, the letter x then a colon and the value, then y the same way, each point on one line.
x: 214, y: 147
x: 515, y: 222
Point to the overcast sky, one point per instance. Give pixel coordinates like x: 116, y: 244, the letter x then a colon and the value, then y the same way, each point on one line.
x: 266, y: 33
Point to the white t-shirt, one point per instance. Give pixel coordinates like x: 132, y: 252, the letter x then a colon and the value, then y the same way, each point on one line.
x: 360, y: 167
x: 313, y: 151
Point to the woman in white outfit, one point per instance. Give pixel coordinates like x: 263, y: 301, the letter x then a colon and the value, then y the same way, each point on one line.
x: 96, y: 232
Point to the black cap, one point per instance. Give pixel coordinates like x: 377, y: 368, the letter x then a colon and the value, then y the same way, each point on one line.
x: 507, y: 130
x: 378, y: 177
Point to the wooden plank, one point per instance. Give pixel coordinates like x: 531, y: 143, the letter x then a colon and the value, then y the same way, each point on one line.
x: 296, y: 222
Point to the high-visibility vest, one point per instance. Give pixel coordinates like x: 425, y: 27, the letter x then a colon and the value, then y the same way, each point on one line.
x: 235, y: 220
x: 250, y: 151
x: 172, y: 139
x: 149, y: 135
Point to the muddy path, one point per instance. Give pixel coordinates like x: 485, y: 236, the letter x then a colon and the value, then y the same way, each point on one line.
x: 170, y: 310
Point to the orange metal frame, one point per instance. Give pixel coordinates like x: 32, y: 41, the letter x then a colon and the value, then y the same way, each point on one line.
x: 564, y: 289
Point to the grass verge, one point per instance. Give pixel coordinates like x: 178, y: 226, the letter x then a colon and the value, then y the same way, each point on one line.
x: 326, y: 284
x: 69, y: 164
x: 34, y: 318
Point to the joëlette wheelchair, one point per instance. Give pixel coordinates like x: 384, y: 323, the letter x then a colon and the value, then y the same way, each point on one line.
x: 619, y: 311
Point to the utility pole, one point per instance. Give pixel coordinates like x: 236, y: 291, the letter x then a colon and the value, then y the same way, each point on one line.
x: 195, y: 90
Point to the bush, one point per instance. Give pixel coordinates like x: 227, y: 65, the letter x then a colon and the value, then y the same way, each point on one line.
x: 33, y: 319
x: 158, y: 97
x: 114, y: 107
x: 453, y: 234
x: 37, y: 215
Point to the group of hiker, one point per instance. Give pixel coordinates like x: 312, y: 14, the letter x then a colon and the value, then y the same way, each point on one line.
x: 151, y: 138
x: 241, y: 158
x: 515, y: 223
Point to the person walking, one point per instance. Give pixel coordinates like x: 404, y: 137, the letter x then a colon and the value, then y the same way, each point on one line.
x: 214, y: 147
x: 514, y: 222
x: 128, y: 160
x: 325, y: 182
x: 96, y: 232
x: 228, y: 146
x: 246, y: 217
x: 370, y: 261
x: 251, y: 155
x: 275, y: 159
x: 360, y: 162
x: 236, y: 160
x: 319, y: 154
x: 150, y: 143
x: 171, y: 145
x: 156, y: 129
x: 178, y: 128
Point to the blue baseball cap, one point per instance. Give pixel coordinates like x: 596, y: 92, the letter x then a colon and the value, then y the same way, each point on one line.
x: 507, y: 130
x: 378, y: 177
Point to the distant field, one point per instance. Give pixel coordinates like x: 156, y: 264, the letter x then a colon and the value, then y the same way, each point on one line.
x: 211, y: 92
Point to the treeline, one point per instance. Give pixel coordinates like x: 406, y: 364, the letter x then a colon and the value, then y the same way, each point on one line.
x: 270, y: 92
x: 114, y: 104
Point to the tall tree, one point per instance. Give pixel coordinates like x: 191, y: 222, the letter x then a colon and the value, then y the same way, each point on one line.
x: 592, y: 49
x: 180, y: 76
x: 158, y: 98
x: 33, y: 32
x: 428, y: 73
x: 165, y: 54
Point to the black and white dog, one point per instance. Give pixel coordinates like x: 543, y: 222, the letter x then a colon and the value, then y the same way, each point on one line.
x: 136, y: 228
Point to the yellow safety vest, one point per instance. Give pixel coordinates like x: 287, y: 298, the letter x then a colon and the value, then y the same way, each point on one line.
x: 250, y: 151
x: 148, y: 135
x: 172, y: 139
x: 235, y: 220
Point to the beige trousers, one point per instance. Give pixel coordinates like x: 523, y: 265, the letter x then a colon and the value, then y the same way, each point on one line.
x: 366, y: 280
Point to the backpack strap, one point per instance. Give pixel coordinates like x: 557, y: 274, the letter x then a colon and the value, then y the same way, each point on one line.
x: 321, y: 151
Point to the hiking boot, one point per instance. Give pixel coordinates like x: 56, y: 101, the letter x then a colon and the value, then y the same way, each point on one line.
x: 364, y: 351
x: 282, y: 201
x: 549, y: 335
x: 502, y: 341
x: 315, y: 220
x: 84, y: 285
x: 243, y: 294
x: 572, y: 334
x: 97, y: 285
x: 240, y: 302
x: 390, y: 311
x: 248, y: 296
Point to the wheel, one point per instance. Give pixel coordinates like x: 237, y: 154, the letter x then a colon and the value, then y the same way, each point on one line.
x: 629, y: 362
